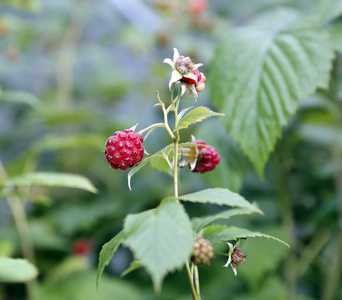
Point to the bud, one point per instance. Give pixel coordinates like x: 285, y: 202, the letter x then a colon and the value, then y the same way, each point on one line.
x: 203, y: 251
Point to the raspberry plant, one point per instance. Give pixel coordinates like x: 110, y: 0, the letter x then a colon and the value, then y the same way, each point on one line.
x: 164, y: 239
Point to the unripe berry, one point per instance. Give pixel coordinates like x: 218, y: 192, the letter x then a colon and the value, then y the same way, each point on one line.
x: 203, y: 251
x: 124, y: 149
x: 197, y: 73
x: 208, y: 158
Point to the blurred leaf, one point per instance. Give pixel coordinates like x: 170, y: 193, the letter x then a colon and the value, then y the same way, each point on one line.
x: 161, y: 239
x: 271, y: 289
x: 272, y: 65
x: 218, y: 233
x: 107, y: 252
x: 220, y: 196
x: 198, y: 114
x: 19, y: 97
x: 37, y: 198
x: 336, y: 35
x: 52, y: 179
x: 320, y: 134
x: 134, y: 265
x: 263, y: 257
x: 199, y: 223
x: 80, y: 286
x: 7, y: 248
x: 326, y: 10
x: 71, y: 264
x: 55, y: 143
x: 16, y: 270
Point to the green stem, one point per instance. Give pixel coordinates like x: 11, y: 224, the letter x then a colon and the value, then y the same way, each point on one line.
x: 197, y: 283
x: 176, y: 138
x: 193, y: 291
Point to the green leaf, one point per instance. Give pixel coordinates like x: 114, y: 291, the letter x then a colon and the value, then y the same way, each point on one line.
x: 199, y: 223
x: 16, y: 270
x: 154, y: 160
x: 220, y: 196
x: 260, y: 73
x: 134, y: 265
x: 196, y: 115
x: 107, y: 252
x: 19, y: 97
x: 336, y: 35
x: 161, y: 239
x: 52, y: 179
x: 218, y: 233
x: 326, y: 10
x: 160, y: 160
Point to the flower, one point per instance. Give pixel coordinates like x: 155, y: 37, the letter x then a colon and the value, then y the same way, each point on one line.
x: 185, y: 72
x: 235, y: 256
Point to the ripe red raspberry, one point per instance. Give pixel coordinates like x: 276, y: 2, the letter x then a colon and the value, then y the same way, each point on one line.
x: 203, y: 251
x: 207, y: 159
x: 124, y: 149
x: 192, y: 81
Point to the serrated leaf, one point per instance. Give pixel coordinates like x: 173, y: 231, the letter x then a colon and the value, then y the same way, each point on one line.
x: 260, y: 74
x: 161, y: 239
x: 107, y: 252
x: 133, y: 266
x: 16, y: 270
x: 218, y: 233
x: 52, y: 179
x: 199, y: 223
x: 196, y: 115
x: 220, y: 196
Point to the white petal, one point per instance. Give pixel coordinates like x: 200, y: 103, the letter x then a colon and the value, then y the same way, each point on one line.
x: 190, y: 75
x: 196, y: 66
x: 175, y: 76
x: 175, y: 54
x: 228, y: 261
x: 169, y: 61
x: 184, y: 87
x: 234, y: 270
x: 192, y: 88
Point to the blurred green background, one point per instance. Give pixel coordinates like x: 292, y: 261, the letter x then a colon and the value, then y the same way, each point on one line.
x: 74, y: 72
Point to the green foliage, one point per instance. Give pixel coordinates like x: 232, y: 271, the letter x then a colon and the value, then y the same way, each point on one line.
x: 16, y: 270
x: 199, y: 223
x: 161, y: 239
x: 220, y: 196
x: 273, y: 63
x: 198, y: 114
x: 51, y: 179
x: 107, y: 252
x: 80, y: 286
x: 218, y: 233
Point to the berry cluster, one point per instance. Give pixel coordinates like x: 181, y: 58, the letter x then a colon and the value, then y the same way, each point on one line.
x: 124, y: 149
x: 207, y: 159
x: 203, y: 251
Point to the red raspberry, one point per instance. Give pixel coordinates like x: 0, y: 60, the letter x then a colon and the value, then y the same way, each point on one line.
x: 192, y: 81
x: 203, y: 251
x: 208, y: 158
x: 82, y: 247
x: 124, y: 149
